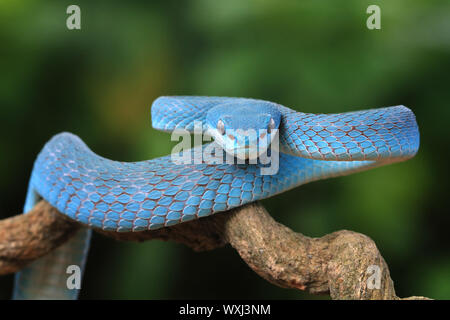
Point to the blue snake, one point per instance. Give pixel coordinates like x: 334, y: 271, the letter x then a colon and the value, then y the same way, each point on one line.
x: 123, y: 196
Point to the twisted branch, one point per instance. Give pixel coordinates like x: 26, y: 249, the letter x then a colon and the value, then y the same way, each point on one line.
x: 341, y: 264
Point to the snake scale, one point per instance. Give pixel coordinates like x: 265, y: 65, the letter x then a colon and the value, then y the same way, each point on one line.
x: 147, y: 195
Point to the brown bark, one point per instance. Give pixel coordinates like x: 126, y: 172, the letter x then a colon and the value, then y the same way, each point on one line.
x: 25, y: 238
x: 338, y: 264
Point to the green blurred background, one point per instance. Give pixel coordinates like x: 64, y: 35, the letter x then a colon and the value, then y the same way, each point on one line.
x: 314, y: 56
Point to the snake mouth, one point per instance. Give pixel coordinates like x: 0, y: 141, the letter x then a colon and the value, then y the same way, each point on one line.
x: 246, y: 151
x: 246, y: 147
x: 243, y: 147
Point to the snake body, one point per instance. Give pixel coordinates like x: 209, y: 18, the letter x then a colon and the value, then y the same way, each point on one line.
x: 147, y: 195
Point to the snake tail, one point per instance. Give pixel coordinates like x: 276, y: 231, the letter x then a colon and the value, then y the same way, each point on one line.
x: 47, y: 277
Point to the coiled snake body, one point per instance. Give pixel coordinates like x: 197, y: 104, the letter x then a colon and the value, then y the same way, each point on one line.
x: 147, y: 195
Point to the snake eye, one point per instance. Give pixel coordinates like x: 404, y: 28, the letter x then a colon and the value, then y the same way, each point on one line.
x: 221, y: 127
x: 271, y: 125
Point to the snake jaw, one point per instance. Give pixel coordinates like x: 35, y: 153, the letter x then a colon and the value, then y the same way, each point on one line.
x: 243, y: 145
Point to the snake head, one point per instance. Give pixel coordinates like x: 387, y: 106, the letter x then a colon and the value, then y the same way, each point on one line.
x: 244, y: 130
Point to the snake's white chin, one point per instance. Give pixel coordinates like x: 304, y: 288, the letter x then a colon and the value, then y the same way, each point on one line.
x: 249, y: 152
x: 246, y: 153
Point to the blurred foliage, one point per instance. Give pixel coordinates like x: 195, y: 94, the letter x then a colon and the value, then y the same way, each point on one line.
x: 314, y: 56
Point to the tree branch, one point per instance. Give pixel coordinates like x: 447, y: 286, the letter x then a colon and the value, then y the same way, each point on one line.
x: 25, y: 238
x: 341, y: 264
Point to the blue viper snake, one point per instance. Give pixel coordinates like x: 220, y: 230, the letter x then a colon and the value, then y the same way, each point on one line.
x: 147, y: 195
